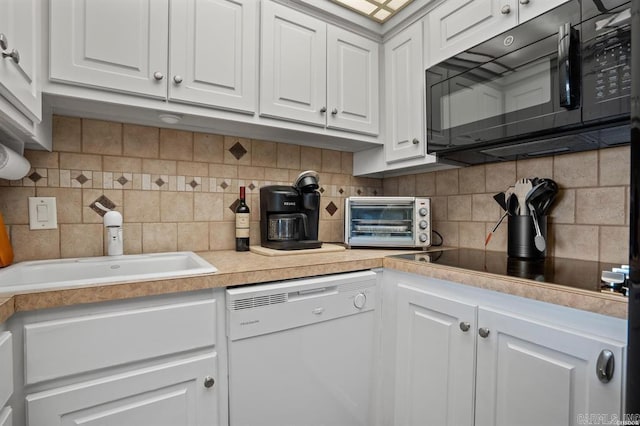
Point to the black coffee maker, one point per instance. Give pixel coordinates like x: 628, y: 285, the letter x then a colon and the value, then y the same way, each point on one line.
x: 289, y: 215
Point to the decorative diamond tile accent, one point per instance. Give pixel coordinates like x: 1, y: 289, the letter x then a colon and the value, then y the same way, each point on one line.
x: 224, y: 185
x: 341, y: 191
x: 193, y: 184
x: 105, y: 202
x: 82, y: 179
x: 35, y: 176
x: 322, y: 190
x: 359, y: 192
x: 252, y: 186
x: 160, y: 182
x: 331, y: 208
x: 122, y: 180
x: 237, y: 150
x: 234, y: 206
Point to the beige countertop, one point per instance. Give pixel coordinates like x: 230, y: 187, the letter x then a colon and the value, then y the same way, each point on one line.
x: 247, y: 268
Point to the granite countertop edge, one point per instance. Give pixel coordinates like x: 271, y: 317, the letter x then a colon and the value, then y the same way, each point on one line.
x: 250, y: 268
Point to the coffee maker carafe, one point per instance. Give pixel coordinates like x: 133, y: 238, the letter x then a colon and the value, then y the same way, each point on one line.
x: 289, y: 215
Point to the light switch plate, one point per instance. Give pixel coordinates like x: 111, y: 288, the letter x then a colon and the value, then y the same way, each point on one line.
x: 42, y: 213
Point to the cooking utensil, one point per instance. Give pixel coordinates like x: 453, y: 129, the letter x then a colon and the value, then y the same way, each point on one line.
x: 523, y: 186
x: 512, y: 205
x: 538, y: 240
x: 501, y: 199
x: 490, y: 234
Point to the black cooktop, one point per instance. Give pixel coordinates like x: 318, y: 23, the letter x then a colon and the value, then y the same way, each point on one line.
x: 569, y: 272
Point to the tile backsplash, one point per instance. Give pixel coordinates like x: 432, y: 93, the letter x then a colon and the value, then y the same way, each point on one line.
x: 589, y: 220
x: 175, y: 189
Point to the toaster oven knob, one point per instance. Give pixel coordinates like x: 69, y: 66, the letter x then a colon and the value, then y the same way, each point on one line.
x: 423, y: 224
x: 422, y: 212
x: 360, y: 300
x: 423, y: 238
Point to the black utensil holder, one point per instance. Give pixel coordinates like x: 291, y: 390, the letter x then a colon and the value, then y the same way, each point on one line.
x: 521, y: 234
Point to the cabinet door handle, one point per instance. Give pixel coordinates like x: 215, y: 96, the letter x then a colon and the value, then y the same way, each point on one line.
x: 14, y: 54
x: 323, y: 109
x: 334, y: 111
x: 415, y: 141
x: 465, y: 326
x: 209, y: 382
x: 506, y: 9
x: 177, y: 79
x: 524, y: 1
x: 483, y: 332
x: 605, y: 366
x: 4, y: 43
x: 158, y: 75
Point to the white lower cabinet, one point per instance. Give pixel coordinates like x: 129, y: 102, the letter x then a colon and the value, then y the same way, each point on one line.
x: 466, y: 356
x: 6, y: 417
x: 149, y: 361
x: 169, y: 394
x: 6, y: 377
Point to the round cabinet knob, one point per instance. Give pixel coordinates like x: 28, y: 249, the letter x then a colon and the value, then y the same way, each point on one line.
x: 415, y: 141
x: 209, y: 382
x: 177, y: 79
x: 14, y: 54
x: 483, y: 332
x: 423, y: 224
x: 158, y: 75
x: 360, y: 300
x: 465, y: 326
x: 323, y: 109
x: 4, y: 43
x: 506, y: 9
x: 423, y: 238
x: 524, y: 1
x: 423, y: 212
x: 334, y: 111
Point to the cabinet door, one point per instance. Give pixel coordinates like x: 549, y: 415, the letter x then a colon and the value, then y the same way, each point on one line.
x: 6, y: 417
x: 110, y: 44
x: 457, y: 25
x: 404, y: 88
x: 293, y: 65
x: 528, y: 9
x: 531, y: 373
x: 6, y: 367
x: 214, y: 53
x: 352, y: 82
x: 20, y: 25
x: 168, y: 394
x: 434, y: 360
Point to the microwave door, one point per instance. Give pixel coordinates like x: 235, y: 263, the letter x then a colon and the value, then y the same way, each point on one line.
x: 515, y: 93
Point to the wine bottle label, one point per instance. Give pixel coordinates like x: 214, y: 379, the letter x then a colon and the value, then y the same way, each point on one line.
x: 242, y: 225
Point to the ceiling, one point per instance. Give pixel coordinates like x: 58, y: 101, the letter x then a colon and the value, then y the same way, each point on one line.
x: 376, y: 10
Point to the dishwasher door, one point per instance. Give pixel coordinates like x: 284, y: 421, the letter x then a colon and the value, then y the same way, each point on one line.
x: 301, y: 352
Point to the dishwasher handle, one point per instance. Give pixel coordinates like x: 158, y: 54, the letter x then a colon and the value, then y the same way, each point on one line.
x: 312, y: 293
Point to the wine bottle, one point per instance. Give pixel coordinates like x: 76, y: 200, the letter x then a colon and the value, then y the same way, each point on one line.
x: 242, y: 223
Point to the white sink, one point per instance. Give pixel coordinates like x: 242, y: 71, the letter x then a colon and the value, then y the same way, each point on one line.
x: 64, y: 273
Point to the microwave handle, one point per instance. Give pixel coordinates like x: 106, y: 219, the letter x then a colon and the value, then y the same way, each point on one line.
x: 568, y: 66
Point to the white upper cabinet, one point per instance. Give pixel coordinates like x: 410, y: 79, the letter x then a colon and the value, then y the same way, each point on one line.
x: 20, y: 31
x: 293, y: 65
x: 404, y: 88
x: 456, y: 25
x: 110, y: 44
x: 317, y: 74
x: 352, y: 81
x: 213, y: 53
x: 212, y: 45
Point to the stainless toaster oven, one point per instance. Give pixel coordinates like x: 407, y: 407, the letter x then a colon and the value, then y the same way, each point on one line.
x: 387, y: 222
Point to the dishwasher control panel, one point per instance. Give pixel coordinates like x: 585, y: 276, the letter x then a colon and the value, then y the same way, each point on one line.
x: 266, y: 308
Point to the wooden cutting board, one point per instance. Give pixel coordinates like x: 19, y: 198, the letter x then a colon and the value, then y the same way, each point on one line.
x: 326, y: 248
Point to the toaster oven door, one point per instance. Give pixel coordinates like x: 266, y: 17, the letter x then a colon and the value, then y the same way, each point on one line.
x: 382, y: 224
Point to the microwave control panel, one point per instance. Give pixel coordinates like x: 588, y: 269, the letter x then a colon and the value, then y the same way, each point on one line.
x: 612, y: 53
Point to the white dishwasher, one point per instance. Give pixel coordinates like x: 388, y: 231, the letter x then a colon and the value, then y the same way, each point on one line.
x: 301, y: 351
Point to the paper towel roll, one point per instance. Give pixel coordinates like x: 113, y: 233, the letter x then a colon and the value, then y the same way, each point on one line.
x: 13, y: 166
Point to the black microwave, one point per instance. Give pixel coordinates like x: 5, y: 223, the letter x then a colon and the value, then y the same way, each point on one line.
x: 558, y: 83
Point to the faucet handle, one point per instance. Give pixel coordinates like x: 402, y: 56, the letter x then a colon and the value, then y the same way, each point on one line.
x: 112, y: 218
